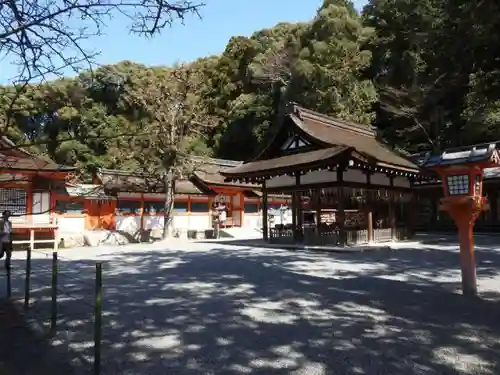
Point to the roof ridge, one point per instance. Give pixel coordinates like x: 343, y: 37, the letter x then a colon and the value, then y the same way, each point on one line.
x: 217, y: 161
x: 13, y: 146
x: 470, y: 147
x: 457, y: 148
x: 334, y: 121
x: 37, y: 159
x: 121, y: 172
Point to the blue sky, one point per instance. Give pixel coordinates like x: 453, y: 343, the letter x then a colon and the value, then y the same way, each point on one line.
x: 221, y: 19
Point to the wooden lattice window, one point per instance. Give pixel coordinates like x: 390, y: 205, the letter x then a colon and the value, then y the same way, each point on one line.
x: 13, y: 200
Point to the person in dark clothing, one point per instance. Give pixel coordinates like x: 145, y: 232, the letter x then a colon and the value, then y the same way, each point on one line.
x: 6, y: 238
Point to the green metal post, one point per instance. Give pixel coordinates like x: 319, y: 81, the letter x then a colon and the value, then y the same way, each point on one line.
x: 98, y: 319
x: 53, y: 310
x: 27, y: 280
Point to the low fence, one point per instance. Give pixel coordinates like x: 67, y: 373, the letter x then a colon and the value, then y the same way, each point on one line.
x: 332, y: 236
x: 61, y: 310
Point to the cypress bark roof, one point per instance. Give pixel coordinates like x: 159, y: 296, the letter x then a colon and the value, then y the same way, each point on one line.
x: 16, y: 159
x: 136, y: 182
x: 207, y: 172
x: 318, y: 141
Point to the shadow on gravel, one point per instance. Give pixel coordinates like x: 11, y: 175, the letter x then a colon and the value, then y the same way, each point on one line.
x: 256, y: 311
x: 24, y: 352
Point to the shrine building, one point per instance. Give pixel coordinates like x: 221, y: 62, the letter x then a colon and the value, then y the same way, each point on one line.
x: 27, y: 183
x: 347, y: 186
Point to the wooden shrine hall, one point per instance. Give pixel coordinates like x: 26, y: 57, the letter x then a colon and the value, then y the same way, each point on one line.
x: 346, y: 186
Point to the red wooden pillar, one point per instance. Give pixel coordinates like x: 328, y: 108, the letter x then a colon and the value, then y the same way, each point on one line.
x: 464, y: 211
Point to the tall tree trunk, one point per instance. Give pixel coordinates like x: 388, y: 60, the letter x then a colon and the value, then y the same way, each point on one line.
x: 280, y: 101
x: 168, y: 218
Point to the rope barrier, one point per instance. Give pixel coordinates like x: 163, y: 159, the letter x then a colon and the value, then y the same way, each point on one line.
x: 81, y: 263
x: 37, y: 272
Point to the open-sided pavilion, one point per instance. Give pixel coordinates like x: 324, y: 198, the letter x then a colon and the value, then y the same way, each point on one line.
x: 347, y: 186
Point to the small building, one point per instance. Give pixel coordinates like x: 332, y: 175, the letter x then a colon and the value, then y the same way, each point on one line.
x: 132, y: 203
x: 27, y: 183
x: 347, y: 187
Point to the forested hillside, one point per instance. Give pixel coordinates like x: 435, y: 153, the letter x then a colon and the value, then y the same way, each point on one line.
x: 426, y: 73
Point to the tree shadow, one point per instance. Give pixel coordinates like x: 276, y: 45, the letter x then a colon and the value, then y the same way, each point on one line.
x: 18, y: 342
x: 262, y: 311
x: 428, y: 238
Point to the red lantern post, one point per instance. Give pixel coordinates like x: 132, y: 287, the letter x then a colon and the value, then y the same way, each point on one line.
x: 461, y: 174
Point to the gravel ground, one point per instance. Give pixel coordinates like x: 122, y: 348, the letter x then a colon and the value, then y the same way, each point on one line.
x: 22, y: 351
x: 179, y: 308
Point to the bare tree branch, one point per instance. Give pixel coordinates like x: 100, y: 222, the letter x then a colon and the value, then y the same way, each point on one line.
x: 42, y: 37
x: 274, y: 67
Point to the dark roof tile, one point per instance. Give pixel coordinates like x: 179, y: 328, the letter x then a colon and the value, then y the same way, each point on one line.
x: 139, y: 182
x: 463, y: 155
x: 342, y: 133
x: 209, y: 172
x: 289, y: 161
x: 333, y: 136
x: 31, y: 164
x: 17, y: 159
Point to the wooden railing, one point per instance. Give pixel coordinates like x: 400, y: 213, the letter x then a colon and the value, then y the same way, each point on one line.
x: 25, y: 234
x: 284, y: 235
x: 382, y: 235
x: 281, y: 234
x: 357, y: 237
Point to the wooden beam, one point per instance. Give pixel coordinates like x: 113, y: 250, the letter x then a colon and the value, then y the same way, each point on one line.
x: 392, y: 210
x: 412, y: 215
x: 349, y: 184
x: 369, y: 209
x: 56, y: 175
x: 340, y: 216
x: 296, y: 209
x: 317, y: 200
x: 265, y: 224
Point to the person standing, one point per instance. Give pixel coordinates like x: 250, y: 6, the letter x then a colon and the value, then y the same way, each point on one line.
x: 6, y: 238
x: 223, y: 215
x: 215, y: 220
